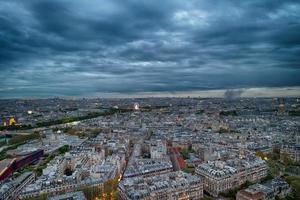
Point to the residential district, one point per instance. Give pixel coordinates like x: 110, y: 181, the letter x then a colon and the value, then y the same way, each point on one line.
x: 150, y: 148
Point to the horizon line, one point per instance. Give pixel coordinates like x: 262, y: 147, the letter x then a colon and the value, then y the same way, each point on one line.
x: 254, y: 92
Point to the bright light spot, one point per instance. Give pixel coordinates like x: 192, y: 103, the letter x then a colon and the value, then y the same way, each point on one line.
x: 120, y: 178
x: 136, y: 106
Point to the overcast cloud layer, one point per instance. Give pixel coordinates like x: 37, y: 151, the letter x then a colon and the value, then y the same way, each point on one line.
x: 81, y: 48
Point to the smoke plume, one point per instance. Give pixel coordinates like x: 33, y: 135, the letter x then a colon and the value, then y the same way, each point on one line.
x: 232, y: 94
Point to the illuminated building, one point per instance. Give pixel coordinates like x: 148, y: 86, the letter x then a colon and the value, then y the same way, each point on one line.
x: 136, y: 106
x: 10, y: 121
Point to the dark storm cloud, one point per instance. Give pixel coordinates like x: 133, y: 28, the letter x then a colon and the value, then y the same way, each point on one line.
x: 64, y: 47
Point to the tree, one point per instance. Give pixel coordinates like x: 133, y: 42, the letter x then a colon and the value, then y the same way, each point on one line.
x: 63, y: 149
x: 295, y: 184
x: 185, y: 153
x: 260, y: 154
x: 92, y: 192
x: 17, y: 139
x: 285, y: 158
x: 110, y: 189
x: 275, y: 155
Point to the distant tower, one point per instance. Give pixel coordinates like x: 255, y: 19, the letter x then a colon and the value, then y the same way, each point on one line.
x: 136, y: 106
x: 281, y: 107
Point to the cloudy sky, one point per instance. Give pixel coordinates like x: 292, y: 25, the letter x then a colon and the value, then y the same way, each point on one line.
x: 88, y: 47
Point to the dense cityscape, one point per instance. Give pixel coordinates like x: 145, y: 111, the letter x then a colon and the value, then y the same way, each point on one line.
x: 150, y: 148
x: 149, y: 100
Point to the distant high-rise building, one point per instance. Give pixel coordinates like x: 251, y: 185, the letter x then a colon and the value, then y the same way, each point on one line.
x: 281, y: 107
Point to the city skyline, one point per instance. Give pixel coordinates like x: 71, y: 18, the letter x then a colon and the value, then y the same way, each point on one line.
x: 147, y: 48
x: 149, y: 99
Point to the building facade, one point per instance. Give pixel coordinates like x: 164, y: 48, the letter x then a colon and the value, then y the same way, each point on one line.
x: 174, y: 185
x: 219, y: 176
